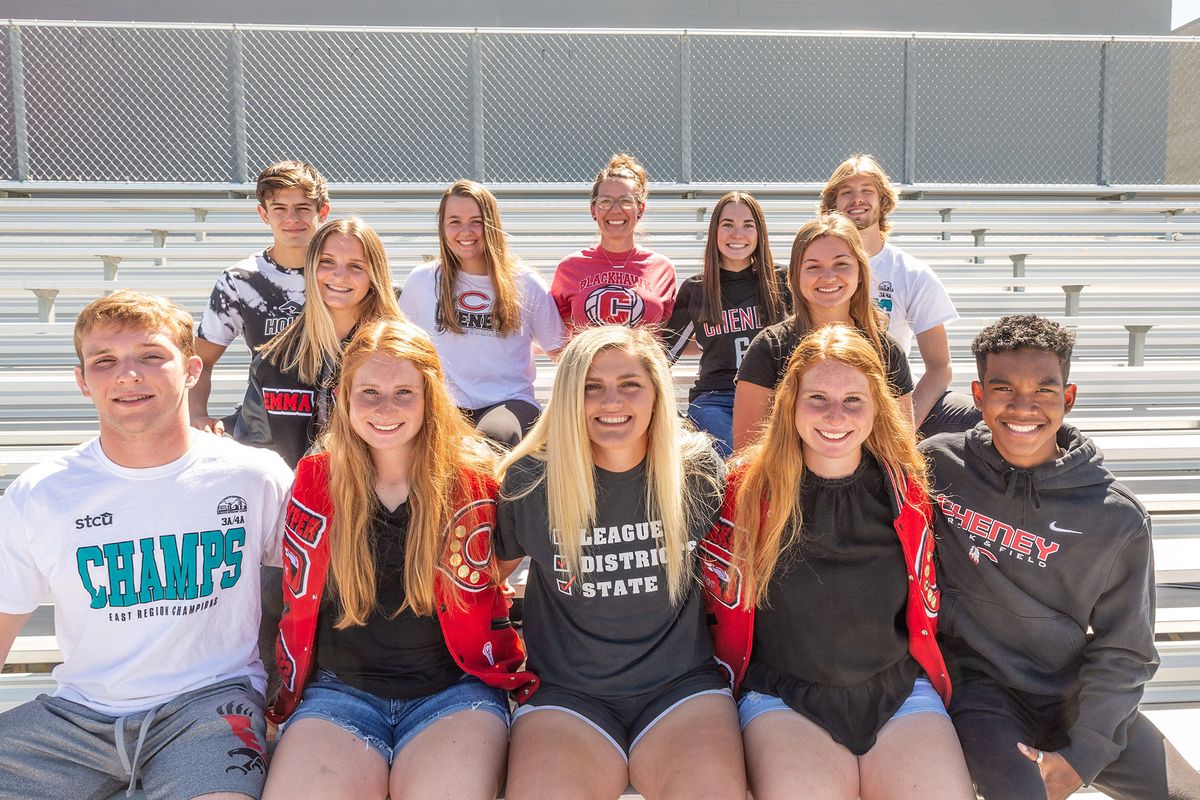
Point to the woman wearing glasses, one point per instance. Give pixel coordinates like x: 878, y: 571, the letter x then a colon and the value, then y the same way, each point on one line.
x: 615, y: 282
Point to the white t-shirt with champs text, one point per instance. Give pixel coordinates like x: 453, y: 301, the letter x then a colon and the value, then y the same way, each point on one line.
x: 154, y: 573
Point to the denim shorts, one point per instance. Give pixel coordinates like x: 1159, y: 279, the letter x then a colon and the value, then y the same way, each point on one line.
x: 924, y: 698
x: 388, y: 725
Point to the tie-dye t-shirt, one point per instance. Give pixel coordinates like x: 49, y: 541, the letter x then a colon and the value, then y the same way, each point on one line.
x: 255, y: 299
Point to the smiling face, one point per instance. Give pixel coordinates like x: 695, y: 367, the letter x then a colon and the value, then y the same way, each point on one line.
x: 342, y: 277
x: 858, y: 199
x: 387, y: 405
x: 138, y: 380
x: 618, y: 401
x: 834, y: 416
x: 462, y: 228
x: 737, y: 236
x: 1023, y: 399
x: 618, y: 221
x: 293, y: 217
x: 828, y: 278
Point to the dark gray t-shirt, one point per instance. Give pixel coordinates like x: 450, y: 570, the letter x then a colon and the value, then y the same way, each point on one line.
x: 612, y: 631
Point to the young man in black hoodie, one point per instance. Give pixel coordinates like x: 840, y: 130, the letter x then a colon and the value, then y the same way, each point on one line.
x: 1047, y: 584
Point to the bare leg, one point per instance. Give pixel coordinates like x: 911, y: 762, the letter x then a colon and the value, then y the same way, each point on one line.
x: 695, y: 751
x: 316, y: 758
x: 461, y: 756
x: 789, y: 756
x: 555, y: 755
x: 915, y: 757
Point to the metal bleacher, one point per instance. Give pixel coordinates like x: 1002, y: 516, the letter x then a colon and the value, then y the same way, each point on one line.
x: 1120, y: 265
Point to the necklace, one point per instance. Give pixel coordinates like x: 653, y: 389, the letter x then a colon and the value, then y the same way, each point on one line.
x: 604, y: 253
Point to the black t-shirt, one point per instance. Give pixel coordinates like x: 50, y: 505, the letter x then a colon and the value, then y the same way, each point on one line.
x: 725, y: 341
x: 767, y: 358
x: 831, y: 640
x: 398, y: 657
x: 280, y: 412
x: 612, y: 631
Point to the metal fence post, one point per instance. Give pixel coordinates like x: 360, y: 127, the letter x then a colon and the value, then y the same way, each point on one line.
x: 20, y: 130
x: 910, y: 111
x: 1104, y: 137
x: 685, y: 108
x: 237, y: 106
x: 476, y: 81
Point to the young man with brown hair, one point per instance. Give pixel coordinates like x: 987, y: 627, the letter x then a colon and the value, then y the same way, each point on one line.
x: 259, y: 296
x: 149, y: 538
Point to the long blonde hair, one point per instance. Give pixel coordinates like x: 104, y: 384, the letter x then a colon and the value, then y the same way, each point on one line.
x: 560, y: 440
x: 768, y: 519
x: 501, y: 265
x: 311, y: 341
x: 864, y: 311
x: 445, y: 445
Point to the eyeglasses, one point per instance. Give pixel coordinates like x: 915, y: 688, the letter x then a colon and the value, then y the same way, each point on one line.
x: 627, y: 203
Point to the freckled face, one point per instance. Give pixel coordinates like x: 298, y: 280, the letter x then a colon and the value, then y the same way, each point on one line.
x: 387, y: 403
x: 834, y: 416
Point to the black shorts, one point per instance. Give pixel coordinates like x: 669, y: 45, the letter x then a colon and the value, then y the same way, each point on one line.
x: 624, y: 720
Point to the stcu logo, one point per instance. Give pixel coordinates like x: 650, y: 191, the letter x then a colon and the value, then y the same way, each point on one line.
x: 614, y: 305
x: 473, y: 301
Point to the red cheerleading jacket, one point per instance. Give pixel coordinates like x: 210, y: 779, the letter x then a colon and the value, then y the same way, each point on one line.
x: 479, y: 635
x: 732, y: 624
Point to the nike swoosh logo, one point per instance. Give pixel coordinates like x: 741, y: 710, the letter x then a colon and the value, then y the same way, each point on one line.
x: 1054, y: 527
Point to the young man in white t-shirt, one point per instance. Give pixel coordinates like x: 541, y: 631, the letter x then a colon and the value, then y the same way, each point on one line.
x: 149, y: 538
x: 260, y: 295
x: 906, y: 289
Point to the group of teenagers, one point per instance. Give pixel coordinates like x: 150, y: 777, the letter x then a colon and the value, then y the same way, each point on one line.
x: 826, y: 582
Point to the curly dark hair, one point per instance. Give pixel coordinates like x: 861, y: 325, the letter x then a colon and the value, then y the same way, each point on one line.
x: 1024, y: 332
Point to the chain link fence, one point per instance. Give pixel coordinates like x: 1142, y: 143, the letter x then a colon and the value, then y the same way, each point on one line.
x: 555, y: 107
x: 790, y: 108
x: 205, y: 103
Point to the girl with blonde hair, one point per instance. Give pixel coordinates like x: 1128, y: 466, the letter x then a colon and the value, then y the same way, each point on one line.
x: 485, y: 312
x: 738, y: 293
x: 346, y: 282
x: 820, y: 579
x: 607, y: 495
x: 829, y: 276
x: 616, y: 282
x: 395, y: 648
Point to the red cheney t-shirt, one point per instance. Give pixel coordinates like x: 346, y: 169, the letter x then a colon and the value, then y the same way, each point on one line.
x: 631, y: 288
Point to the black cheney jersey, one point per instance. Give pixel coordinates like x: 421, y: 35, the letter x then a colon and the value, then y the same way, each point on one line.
x: 725, y: 341
x: 255, y: 299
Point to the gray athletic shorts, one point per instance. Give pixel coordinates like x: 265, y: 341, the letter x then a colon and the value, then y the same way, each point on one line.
x: 209, y: 740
